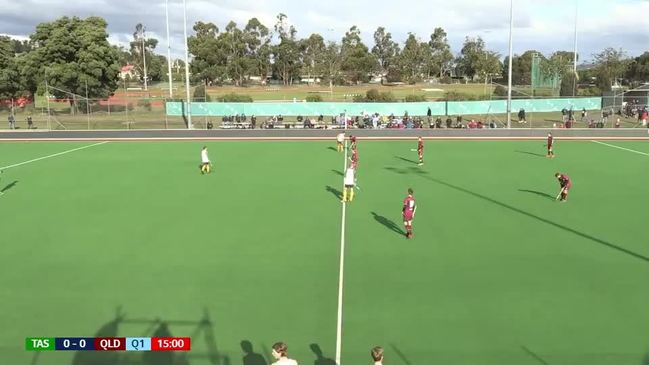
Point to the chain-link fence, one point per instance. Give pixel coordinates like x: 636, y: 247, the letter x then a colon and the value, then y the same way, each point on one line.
x: 134, y: 111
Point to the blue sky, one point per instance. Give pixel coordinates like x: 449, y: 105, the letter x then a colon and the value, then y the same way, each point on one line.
x: 544, y: 25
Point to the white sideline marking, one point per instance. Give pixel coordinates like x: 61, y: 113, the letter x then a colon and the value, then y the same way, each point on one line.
x: 341, y: 272
x: 54, y: 155
x: 622, y: 148
x: 325, y: 138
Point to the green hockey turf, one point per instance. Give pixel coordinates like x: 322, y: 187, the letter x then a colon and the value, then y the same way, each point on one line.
x: 114, y: 239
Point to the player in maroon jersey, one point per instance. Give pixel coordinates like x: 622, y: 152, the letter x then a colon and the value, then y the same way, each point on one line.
x: 409, y: 209
x: 550, y: 144
x: 565, y: 183
x: 352, y: 139
x: 354, y: 159
x: 420, y: 151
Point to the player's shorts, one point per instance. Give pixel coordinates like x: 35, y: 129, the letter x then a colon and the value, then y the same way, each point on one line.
x: 205, y: 163
x: 550, y: 149
x: 349, y: 186
x: 407, y: 216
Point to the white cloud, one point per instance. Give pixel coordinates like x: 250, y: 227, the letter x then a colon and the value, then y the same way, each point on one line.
x: 543, y: 25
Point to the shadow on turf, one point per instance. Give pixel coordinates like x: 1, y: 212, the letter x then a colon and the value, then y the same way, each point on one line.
x: 540, y: 219
x: 337, y: 172
x: 109, y: 329
x: 406, y: 160
x: 531, y: 153
x: 332, y: 148
x: 320, y: 359
x: 203, y: 333
x: 539, y: 193
x: 9, y: 186
x: 406, y: 171
x: 389, y: 224
x: 400, y: 354
x: 251, y: 357
x: 646, y: 360
x: 334, y: 191
x: 534, y: 355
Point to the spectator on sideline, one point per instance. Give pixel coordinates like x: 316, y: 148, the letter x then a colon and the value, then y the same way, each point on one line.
x: 521, y: 116
x: 377, y: 355
x: 280, y: 354
x: 12, y: 121
x: 30, y: 122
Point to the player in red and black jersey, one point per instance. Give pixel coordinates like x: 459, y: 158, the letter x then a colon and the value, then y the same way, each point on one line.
x: 550, y: 145
x: 352, y: 139
x: 408, y: 211
x: 565, y: 183
x: 420, y: 150
x: 354, y: 159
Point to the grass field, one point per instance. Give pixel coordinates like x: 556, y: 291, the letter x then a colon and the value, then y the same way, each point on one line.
x: 498, y: 272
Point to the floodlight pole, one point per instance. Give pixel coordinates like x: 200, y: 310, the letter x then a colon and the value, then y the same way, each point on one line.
x: 168, y: 50
x: 574, y: 63
x: 144, y: 59
x: 87, y: 105
x: 509, y: 82
x: 47, y: 97
x: 189, y: 102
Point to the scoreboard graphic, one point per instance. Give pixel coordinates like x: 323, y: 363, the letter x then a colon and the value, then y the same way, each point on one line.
x: 107, y: 343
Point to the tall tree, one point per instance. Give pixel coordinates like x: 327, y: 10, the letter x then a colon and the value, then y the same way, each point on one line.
x: 286, y: 54
x: 72, y: 52
x: 521, y: 67
x: 142, y: 51
x: 385, y: 50
x: 638, y: 69
x: 441, y: 56
x: 610, y: 65
x: 413, y: 59
x: 235, y: 47
x: 257, y: 37
x: 9, y: 75
x: 313, y: 50
x: 472, y: 51
x: 331, y: 64
x: 560, y: 64
x: 476, y: 61
x: 21, y: 46
x: 357, y: 61
x: 209, y: 61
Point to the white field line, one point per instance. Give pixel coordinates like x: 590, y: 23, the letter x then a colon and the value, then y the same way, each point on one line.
x: 53, y: 155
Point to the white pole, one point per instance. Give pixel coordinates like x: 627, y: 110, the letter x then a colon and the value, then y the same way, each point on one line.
x: 189, y: 102
x: 168, y: 51
x: 574, y: 66
x: 87, y: 105
x: 144, y: 60
x: 509, y: 82
x: 47, y: 97
x: 126, y: 106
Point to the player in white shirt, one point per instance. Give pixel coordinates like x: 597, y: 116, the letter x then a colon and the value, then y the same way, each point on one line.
x: 206, y: 165
x: 280, y: 354
x: 377, y: 355
x: 340, y: 139
x: 349, y: 181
